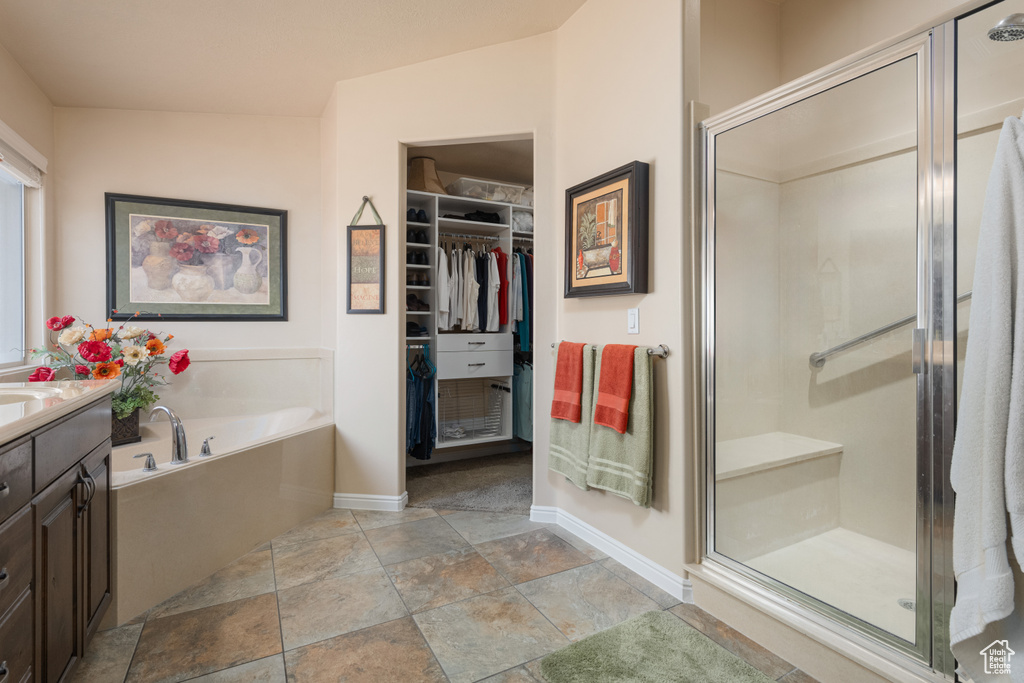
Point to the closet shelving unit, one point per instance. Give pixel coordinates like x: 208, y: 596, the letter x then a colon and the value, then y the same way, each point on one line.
x: 473, y: 400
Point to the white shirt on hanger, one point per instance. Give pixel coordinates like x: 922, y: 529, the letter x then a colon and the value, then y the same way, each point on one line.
x: 493, y: 287
x: 455, y: 290
x: 443, y: 294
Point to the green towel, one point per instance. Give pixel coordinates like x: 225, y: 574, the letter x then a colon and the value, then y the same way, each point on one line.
x: 621, y: 463
x: 570, y: 441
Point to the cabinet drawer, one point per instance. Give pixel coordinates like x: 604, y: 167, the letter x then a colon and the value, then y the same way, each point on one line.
x: 15, y: 557
x: 64, y: 444
x: 15, y: 478
x: 474, y: 342
x: 453, y: 365
x: 16, y: 639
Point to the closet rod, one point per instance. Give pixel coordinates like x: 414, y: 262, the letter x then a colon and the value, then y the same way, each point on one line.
x: 660, y: 352
x: 470, y: 237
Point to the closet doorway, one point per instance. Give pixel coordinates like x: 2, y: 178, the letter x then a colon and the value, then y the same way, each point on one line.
x: 469, y: 261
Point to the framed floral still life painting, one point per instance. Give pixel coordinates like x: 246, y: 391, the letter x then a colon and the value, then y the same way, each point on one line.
x: 174, y: 259
x: 606, y: 233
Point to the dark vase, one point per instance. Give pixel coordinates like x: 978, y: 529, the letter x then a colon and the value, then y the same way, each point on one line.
x: 125, y: 430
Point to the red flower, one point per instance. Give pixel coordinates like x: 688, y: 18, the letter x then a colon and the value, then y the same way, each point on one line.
x: 56, y: 323
x: 247, y: 236
x: 94, y: 351
x: 120, y: 362
x: 82, y: 370
x: 182, y: 251
x: 165, y: 230
x: 207, y: 244
x: 179, y: 361
x: 106, y: 370
x: 42, y: 374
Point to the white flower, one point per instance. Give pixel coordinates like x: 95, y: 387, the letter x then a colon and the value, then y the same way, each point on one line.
x: 130, y: 332
x: 219, y: 232
x: 134, y: 354
x: 71, y: 336
x: 142, y: 228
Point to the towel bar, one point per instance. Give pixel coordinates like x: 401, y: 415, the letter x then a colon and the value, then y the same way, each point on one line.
x: 661, y: 351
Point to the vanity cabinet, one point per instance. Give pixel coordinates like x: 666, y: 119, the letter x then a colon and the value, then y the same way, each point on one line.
x: 55, y: 546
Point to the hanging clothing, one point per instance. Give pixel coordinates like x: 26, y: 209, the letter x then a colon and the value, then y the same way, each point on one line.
x: 482, y: 275
x: 522, y: 401
x: 443, y: 293
x: 471, y: 293
x: 502, y: 259
x: 427, y: 427
x: 493, y: 291
x: 455, y: 305
x: 987, y: 470
x: 524, y: 327
x: 517, y: 290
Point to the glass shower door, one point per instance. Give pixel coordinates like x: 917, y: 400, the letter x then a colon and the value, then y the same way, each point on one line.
x: 818, y: 288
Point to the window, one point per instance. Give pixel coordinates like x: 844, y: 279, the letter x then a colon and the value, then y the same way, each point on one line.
x: 12, y: 269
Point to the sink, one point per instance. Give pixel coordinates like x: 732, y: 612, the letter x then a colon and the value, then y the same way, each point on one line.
x: 10, y: 396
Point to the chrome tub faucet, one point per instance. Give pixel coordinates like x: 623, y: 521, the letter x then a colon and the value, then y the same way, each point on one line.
x: 179, y: 447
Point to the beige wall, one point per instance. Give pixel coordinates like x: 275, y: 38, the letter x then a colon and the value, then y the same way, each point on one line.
x: 740, y: 51
x: 499, y: 91
x: 637, y: 46
x: 249, y: 160
x: 29, y: 113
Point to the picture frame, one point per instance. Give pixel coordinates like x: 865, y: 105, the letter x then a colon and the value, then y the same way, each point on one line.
x: 366, y: 269
x: 177, y: 259
x: 606, y: 233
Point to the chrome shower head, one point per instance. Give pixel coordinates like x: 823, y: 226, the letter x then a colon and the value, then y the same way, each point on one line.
x: 1010, y: 28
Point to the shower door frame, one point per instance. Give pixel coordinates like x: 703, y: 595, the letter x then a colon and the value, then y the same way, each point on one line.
x: 934, y: 47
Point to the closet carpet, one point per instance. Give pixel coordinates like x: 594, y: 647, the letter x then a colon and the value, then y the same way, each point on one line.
x: 494, y: 483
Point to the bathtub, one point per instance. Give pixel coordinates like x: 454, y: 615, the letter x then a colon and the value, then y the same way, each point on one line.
x: 181, y: 523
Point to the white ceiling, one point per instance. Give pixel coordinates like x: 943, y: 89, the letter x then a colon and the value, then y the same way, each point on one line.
x: 270, y: 57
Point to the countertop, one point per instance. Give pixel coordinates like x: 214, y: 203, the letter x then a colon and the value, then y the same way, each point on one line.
x: 26, y: 406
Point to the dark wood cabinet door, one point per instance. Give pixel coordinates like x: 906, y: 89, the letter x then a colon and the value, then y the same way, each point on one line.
x: 96, y: 538
x: 59, y: 621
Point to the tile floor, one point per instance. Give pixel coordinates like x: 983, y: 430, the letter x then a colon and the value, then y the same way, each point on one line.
x: 418, y: 595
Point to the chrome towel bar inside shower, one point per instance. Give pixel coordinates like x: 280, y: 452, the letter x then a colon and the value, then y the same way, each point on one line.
x: 661, y: 351
x: 818, y: 358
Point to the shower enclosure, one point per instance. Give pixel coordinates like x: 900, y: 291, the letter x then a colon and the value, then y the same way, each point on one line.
x: 840, y: 227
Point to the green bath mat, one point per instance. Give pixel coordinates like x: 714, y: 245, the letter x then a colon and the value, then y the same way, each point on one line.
x: 655, y: 647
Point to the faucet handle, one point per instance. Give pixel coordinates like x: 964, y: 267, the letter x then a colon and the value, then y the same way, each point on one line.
x: 150, y: 462
x: 205, y: 450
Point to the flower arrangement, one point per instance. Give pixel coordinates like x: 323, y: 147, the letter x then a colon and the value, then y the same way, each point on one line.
x: 129, y: 352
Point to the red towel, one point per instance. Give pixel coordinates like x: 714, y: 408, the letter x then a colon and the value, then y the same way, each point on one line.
x: 567, y: 404
x: 615, y: 387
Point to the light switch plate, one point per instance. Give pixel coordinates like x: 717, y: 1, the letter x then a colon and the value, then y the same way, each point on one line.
x: 633, y: 321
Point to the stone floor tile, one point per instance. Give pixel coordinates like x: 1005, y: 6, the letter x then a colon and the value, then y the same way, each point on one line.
x: 585, y: 600
x: 488, y: 634
x: 480, y: 527
x: 249, y: 575
x: 446, y: 512
x: 266, y: 670
x: 732, y: 640
x: 401, y: 542
x: 331, y: 607
x: 531, y: 555
x: 659, y: 596
x: 578, y: 543
x: 328, y: 558
x: 108, y: 655
x: 375, y: 519
x: 436, y: 580
x: 394, y: 651
x: 202, y: 641
x: 516, y: 675
x: 325, y: 525
x: 798, y: 676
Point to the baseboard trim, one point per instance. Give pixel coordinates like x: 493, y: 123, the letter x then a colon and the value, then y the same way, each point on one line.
x: 363, y: 501
x: 671, y: 583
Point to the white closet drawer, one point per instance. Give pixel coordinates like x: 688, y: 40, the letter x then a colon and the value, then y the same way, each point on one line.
x: 475, y: 342
x: 458, y: 365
